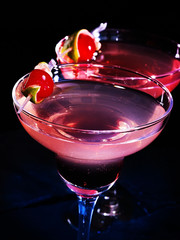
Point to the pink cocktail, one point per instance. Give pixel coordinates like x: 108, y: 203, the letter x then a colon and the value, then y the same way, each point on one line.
x: 92, y: 123
x: 154, y: 56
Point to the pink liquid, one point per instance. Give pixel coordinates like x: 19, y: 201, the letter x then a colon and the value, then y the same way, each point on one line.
x: 146, y: 60
x: 92, y: 158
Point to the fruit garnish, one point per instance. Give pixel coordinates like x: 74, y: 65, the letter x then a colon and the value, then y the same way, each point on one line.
x: 78, y: 47
x: 38, y: 85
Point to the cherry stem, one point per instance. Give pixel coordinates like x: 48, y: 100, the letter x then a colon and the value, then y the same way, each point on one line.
x: 24, y: 103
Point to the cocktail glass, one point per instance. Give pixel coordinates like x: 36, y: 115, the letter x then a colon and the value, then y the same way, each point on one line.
x: 97, y: 115
x: 155, y: 56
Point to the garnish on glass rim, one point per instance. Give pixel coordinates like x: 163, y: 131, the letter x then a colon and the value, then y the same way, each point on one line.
x: 38, y: 85
x: 80, y: 46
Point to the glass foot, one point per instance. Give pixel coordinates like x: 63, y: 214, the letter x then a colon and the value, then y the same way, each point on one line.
x: 117, y: 204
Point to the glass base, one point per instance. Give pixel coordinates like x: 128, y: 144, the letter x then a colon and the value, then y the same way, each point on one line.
x: 117, y: 204
x: 87, y: 199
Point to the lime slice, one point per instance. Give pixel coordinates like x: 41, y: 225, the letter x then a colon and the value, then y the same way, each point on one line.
x: 32, y: 90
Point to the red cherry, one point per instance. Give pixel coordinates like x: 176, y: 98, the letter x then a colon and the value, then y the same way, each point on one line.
x: 86, y: 47
x: 39, y: 84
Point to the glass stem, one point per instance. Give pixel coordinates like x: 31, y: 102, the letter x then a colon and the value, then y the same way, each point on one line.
x: 86, y: 207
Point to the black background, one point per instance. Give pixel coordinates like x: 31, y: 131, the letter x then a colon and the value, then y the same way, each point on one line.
x: 28, y: 35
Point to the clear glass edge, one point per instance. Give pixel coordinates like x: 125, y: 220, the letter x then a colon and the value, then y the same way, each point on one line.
x: 89, y: 131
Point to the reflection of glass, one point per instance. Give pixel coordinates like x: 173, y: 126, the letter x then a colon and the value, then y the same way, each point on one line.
x: 154, y: 56
x: 94, y: 118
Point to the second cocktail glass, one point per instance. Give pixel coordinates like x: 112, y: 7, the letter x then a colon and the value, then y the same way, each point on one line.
x: 96, y: 116
x: 149, y: 54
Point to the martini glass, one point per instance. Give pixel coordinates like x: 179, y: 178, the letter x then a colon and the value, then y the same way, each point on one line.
x: 97, y: 115
x: 155, y: 56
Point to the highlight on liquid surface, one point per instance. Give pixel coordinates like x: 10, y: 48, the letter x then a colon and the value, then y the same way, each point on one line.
x: 147, y: 60
x: 92, y: 156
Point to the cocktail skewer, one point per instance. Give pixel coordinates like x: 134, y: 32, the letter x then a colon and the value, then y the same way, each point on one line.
x: 24, y: 103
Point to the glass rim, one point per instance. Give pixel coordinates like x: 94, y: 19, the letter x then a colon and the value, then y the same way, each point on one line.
x: 106, y: 131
